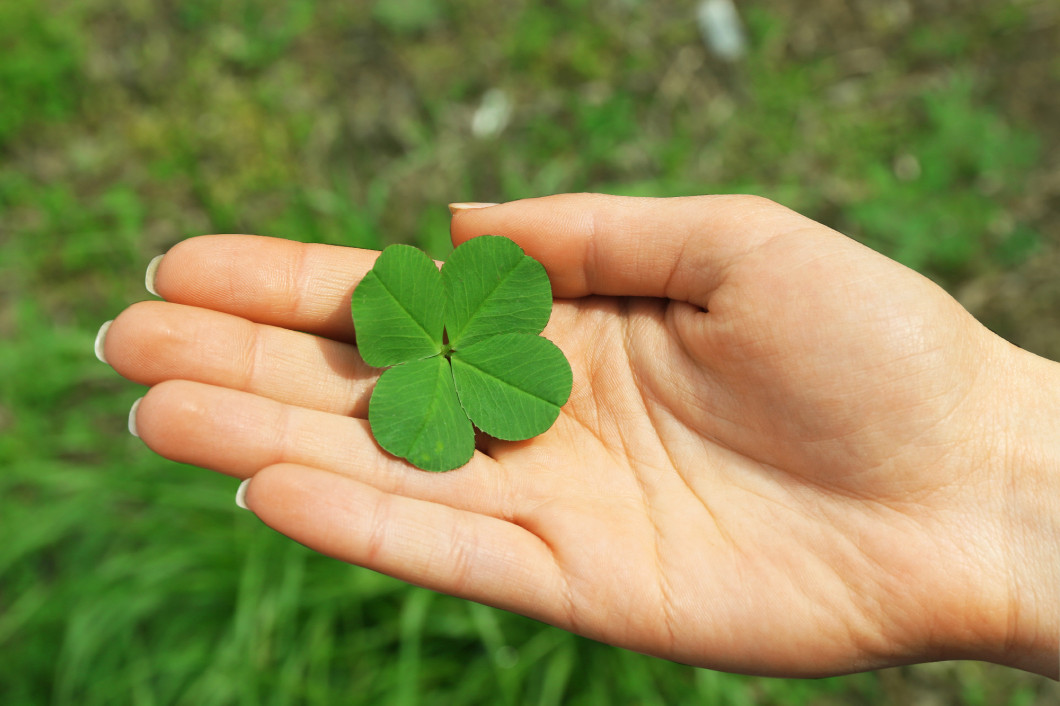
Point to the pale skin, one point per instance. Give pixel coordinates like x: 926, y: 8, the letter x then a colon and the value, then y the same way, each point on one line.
x: 783, y: 454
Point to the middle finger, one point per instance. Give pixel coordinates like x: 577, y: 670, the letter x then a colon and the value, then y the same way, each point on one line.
x: 151, y: 342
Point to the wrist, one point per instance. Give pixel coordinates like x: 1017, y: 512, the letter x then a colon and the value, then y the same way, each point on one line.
x: 1029, y: 501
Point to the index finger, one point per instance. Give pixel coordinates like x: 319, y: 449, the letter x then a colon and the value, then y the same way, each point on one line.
x: 679, y: 248
x: 298, y: 286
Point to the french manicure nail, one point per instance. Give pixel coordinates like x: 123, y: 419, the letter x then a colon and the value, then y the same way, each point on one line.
x: 241, y: 494
x: 132, y: 417
x: 455, y: 208
x: 101, y: 339
x: 152, y: 270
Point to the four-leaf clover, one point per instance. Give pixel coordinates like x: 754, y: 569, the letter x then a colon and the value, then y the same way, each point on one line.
x: 462, y: 347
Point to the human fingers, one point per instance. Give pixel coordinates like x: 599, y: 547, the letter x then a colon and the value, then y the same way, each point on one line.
x: 155, y: 341
x: 238, y: 433
x: 299, y: 286
x: 430, y: 544
x: 679, y: 248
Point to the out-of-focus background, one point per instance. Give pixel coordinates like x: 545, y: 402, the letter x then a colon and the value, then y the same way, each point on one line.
x: 929, y: 130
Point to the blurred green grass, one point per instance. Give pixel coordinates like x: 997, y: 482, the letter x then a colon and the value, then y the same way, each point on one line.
x: 126, y: 126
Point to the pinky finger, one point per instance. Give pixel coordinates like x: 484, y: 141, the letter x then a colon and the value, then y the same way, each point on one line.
x: 466, y: 554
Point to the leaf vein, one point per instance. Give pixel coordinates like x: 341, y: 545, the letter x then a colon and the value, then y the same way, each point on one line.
x: 427, y: 416
x: 402, y: 306
x: 509, y: 384
x: 486, y: 299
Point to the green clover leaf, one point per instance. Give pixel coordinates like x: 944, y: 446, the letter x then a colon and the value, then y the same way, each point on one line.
x: 462, y: 347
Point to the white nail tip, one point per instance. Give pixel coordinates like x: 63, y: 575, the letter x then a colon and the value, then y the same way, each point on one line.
x: 101, y: 339
x: 455, y: 208
x: 132, y: 417
x: 152, y: 270
x: 241, y: 494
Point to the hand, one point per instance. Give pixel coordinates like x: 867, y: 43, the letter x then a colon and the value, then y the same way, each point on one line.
x: 783, y: 454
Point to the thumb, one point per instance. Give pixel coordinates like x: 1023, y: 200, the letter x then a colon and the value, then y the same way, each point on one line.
x: 679, y: 248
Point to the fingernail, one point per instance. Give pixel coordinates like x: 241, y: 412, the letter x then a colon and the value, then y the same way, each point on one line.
x: 454, y: 208
x: 132, y: 417
x: 241, y: 494
x: 101, y: 339
x: 152, y: 270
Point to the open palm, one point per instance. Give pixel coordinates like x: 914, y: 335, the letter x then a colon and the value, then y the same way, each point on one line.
x: 761, y: 467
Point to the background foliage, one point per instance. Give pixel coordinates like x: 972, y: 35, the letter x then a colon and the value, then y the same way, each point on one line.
x: 927, y: 129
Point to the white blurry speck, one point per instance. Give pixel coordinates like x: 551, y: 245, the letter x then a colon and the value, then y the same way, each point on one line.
x: 907, y: 167
x: 492, y: 114
x: 507, y: 657
x: 722, y: 31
